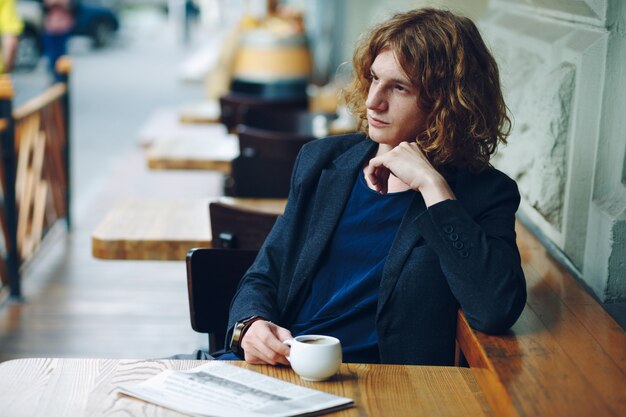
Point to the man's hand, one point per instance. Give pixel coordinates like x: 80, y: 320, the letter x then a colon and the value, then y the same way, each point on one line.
x: 263, y: 343
x: 408, y: 163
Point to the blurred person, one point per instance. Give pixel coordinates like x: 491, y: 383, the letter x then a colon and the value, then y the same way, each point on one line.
x: 59, y: 18
x: 10, y: 27
x: 387, y: 232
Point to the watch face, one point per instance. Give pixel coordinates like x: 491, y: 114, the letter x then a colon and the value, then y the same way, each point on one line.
x: 236, y: 333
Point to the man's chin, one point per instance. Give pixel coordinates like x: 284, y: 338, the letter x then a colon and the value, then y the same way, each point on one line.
x: 375, y: 135
x: 381, y: 138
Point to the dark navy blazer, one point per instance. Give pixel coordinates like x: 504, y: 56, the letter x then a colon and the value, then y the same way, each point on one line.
x: 457, y: 252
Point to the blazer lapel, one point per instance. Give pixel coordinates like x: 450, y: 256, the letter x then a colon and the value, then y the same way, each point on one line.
x: 406, y: 239
x: 331, y: 195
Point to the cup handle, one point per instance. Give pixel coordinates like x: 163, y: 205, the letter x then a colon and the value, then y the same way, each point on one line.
x: 288, y: 342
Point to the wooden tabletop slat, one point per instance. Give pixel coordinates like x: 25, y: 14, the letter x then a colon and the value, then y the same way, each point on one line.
x: 152, y: 229
x: 163, y: 229
x: 164, y: 123
x: 202, y: 111
x: 210, y: 153
x: 544, y: 359
x: 88, y: 387
x: 607, y: 333
x: 564, y: 356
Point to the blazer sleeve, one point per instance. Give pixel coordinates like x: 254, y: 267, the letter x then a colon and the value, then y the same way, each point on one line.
x: 478, y: 254
x: 258, y: 289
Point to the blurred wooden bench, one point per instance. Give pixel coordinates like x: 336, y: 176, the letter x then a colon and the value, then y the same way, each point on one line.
x: 565, y: 356
x: 35, y: 172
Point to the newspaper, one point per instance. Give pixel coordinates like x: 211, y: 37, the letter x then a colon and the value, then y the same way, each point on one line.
x: 219, y: 389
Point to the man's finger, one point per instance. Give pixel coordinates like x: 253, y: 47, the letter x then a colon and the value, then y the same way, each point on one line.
x: 283, y: 334
x: 262, y: 344
x: 382, y: 177
x: 276, y: 341
x: 257, y: 357
x: 262, y: 350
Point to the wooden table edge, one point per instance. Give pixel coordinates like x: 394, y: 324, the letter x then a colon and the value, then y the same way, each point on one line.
x: 110, y: 249
x: 193, y: 165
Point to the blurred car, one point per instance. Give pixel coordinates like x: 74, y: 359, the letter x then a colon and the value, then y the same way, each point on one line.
x: 96, y: 21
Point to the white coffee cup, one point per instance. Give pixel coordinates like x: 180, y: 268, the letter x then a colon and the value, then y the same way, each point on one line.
x: 314, y: 357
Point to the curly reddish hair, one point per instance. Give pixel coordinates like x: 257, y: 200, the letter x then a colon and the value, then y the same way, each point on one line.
x: 456, y: 78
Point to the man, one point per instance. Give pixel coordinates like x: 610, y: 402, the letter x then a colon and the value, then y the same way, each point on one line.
x: 388, y: 232
x: 57, y: 29
x: 10, y: 27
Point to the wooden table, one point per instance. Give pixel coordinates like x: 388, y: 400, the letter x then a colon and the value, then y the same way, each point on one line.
x: 565, y: 355
x: 160, y: 229
x: 165, y: 123
x: 88, y: 387
x: 211, y: 153
x: 201, y: 111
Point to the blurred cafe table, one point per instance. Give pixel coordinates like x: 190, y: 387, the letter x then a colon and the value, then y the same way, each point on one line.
x: 201, y: 111
x: 89, y: 387
x: 209, y: 153
x: 165, y: 123
x: 163, y: 229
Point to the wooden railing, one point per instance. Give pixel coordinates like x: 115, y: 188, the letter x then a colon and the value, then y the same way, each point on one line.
x: 35, y: 173
x: 565, y: 356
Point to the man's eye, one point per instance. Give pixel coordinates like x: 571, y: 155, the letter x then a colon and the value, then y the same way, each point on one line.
x: 400, y: 88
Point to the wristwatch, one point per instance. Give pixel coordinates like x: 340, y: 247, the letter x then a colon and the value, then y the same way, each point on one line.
x: 240, y: 329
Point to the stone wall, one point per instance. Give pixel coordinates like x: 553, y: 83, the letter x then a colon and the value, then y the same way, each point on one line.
x: 563, y: 71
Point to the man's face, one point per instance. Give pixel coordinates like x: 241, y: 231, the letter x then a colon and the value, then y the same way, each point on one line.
x: 393, y: 113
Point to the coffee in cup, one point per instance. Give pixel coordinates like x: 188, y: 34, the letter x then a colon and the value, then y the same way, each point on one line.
x: 318, y: 341
x: 314, y: 357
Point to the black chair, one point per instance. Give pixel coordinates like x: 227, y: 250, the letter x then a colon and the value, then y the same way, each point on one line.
x: 213, y: 275
x: 297, y: 124
x: 269, y: 144
x: 235, y: 227
x: 265, y: 163
x: 234, y: 106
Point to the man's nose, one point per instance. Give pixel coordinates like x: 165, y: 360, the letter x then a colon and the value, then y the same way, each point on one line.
x: 375, y: 98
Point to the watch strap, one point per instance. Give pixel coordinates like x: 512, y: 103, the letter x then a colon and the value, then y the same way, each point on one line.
x: 239, y: 331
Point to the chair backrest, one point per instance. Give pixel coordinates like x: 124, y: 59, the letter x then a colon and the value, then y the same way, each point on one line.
x: 299, y: 123
x: 239, y: 228
x: 234, y: 106
x: 265, y: 163
x: 213, y: 275
x: 269, y: 144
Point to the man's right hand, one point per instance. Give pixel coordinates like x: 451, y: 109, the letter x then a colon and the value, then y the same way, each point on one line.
x: 263, y: 344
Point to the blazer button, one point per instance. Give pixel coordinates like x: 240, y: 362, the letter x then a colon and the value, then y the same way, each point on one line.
x: 448, y: 229
x: 458, y: 245
x: 453, y: 237
x: 463, y: 253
